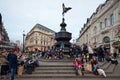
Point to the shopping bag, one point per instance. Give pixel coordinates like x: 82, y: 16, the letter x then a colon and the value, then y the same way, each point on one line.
x: 101, y: 72
x: 88, y: 67
x: 79, y: 72
x: 20, y: 70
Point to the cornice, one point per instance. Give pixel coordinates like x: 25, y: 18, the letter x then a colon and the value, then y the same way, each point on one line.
x: 43, y: 33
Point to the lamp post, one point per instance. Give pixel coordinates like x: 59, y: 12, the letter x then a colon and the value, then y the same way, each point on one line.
x: 23, y: 41
x: 73, y: 39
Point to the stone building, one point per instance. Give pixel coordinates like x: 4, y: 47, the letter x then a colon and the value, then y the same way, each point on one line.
x: 3, y: 32
x: 102, y: 27
x: 4, y: 39
x: 39, y: 38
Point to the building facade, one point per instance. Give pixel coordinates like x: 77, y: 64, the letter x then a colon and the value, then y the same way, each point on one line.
x: 3, y: 32
x: 102, y: 27
x: 4, y: 39
x: 40, y: 38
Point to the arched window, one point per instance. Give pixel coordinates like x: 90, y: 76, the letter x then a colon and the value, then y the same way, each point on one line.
x: 95, y: 30
x: 106, y: 22
x: 112, y: 19
x: 31, y: 40
x: 101, y: 26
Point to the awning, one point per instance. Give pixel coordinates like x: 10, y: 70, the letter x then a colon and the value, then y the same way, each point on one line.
x: 116, y: 44
x: 4, y: 44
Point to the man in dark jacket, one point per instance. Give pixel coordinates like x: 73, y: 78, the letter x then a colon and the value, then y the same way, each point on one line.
x: 3, y: 64
x: 13, y: 64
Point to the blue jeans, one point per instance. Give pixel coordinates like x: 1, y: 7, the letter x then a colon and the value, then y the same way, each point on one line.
x: 13, y: 72
x: 76, y: 70
x: 99, y: 57
x: 76, y: 55
x: 94, y: 68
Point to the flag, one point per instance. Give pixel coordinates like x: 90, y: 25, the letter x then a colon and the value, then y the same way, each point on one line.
x: 65, y: 9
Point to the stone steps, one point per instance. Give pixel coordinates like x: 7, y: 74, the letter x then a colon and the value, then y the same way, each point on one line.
x: 53, y: 71
x: 66, y: 59
x: 65, y: 76
x: 111, y: 68
x: 106, y: 65
x: 54, y: 68
x: 68, y: 79
x: 61, y: 69
x: 102, y: 63
x: 55, y: 60
x: 64, y: 71
x: 55, y: 65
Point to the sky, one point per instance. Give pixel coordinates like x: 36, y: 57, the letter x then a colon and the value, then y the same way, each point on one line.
x: 23, y: 15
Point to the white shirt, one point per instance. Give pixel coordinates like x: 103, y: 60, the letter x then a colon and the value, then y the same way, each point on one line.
x: 90, y: 50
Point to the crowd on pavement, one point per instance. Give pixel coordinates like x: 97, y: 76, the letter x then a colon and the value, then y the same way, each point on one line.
x: 58, y: 53
x: 86, y: 59
x: 15, y: 62
x: 89, y: 61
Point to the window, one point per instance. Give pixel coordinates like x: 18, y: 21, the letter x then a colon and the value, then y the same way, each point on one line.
x: 41, y: 42
x: 95, y: 40
x: 112, y: 19
x: 95, y: 29
x: 36, y: 42
x: 106, y: 22
x: 31, y: 40
x: 100, y: 25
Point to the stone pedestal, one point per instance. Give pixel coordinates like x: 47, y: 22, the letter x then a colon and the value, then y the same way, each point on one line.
x: 63, y: 37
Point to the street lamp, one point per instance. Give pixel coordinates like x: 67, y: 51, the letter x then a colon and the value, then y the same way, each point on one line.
x: 73, y: 39
x: 23, y: 41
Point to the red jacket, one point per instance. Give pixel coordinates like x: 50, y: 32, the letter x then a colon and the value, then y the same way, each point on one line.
x: 75, y: 63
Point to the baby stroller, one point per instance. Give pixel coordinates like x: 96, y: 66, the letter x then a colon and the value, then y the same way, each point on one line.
x: 30, y: 67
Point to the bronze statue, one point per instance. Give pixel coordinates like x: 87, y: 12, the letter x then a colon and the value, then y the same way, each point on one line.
x: 65, y: 9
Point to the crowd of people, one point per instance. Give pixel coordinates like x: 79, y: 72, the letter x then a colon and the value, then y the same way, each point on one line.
x: 16, y: 63
x: 58, y: 53
x: 86, y: 59
x: 89, y: 61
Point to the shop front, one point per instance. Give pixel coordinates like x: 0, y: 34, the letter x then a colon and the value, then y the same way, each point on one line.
x: 116, y: 45
x: 106, y: 42
x: 6, y: 46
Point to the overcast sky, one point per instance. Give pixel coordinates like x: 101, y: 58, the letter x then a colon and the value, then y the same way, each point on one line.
x: 19, y: 15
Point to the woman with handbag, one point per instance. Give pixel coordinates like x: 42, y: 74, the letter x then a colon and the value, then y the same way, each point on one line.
x: 94, y: 63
